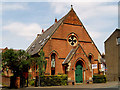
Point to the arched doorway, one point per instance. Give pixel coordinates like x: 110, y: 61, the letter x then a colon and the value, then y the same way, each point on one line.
x: 79, y: 72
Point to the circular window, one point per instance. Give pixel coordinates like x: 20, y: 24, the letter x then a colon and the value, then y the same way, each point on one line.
x: 72, y: 40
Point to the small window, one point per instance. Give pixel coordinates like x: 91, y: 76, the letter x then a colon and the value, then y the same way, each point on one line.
x: 118, y: 41
x: 33, y: 46
x: 44, y: 39
x: 90, y: 58
x: 40, y: 41
x: 48, y: 36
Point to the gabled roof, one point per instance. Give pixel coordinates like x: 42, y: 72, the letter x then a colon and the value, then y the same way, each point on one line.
x: 41, y: 40
x: 70, y: 55
x: 72, y: 52
x: 117, y: 30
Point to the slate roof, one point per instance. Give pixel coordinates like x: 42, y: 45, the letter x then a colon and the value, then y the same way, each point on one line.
x: 71, y: 53
x: 41, y: 40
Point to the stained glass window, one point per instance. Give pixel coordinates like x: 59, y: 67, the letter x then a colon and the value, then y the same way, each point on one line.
x: 53, y: 60
x: 72, y: 40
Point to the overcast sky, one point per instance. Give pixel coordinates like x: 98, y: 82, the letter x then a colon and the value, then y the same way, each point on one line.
x: 22, y: 21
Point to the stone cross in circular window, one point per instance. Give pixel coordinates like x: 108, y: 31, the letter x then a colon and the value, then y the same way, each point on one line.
x: 72, y: 40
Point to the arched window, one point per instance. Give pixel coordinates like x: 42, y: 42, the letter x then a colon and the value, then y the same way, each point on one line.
x: 90, y: 57
x: 53, y: 64
x: 53, y: 60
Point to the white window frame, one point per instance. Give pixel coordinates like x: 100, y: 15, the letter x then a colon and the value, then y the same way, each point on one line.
x: 118, y: 41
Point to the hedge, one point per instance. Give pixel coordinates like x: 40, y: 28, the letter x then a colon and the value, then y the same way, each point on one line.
x: 99, y: 79
x: 31, y: 82
x: 53, y: 80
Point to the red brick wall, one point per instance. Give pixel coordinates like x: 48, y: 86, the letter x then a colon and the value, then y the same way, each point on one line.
x: 62, y: 48
x: 5, y: 80
x: 59, y: 43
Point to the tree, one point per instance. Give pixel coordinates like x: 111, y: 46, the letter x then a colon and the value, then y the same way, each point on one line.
x: 41, y: 62
x: 17, y: 61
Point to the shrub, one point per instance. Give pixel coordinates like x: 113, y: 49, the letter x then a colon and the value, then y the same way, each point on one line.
x: 31, y: 82
x: 99, y: 79
x: 53, y: 80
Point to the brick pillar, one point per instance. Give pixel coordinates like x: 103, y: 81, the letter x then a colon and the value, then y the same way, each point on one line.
x: 17, y: 82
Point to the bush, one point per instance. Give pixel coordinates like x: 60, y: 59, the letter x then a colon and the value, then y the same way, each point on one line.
x: 31, y: 82
x: 99, y: 79
x: 55, y: 80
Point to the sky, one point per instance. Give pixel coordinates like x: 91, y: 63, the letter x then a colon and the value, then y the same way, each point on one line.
x: 21, y: 21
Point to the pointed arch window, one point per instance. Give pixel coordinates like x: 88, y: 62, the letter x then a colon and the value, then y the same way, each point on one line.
x: 90, y: 58
x: 53, y: 64
x: 53, y: 60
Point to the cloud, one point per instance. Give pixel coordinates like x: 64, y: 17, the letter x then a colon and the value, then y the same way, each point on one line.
x: 99, y: 18
x: 92, y: 14
x: 59, y: 8
x: 61, y: 0
x: 25, y: 30
x: 84, y: 9
x: 14, y: 6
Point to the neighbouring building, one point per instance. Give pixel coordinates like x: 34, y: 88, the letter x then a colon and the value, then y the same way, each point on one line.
x: 68, y: 48
x: 112, y: 56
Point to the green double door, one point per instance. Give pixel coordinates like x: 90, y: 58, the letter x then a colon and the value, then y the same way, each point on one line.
x: 79, y: 74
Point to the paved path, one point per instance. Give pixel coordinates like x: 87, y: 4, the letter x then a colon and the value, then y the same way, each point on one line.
x: 100, y: 85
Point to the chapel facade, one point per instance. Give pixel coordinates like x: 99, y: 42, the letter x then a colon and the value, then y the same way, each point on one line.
x: 68, y: 49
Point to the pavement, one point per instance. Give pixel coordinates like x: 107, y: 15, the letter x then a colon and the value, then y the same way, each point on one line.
x: 90, y: 86
x: 99, y: 86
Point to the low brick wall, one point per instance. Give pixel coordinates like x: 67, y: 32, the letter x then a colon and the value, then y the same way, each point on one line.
x: 6, y: 80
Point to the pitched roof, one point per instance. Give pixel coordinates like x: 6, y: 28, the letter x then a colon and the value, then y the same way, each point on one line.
x: 117, y: 30
x: 71, y: 53
x: 41, y: 40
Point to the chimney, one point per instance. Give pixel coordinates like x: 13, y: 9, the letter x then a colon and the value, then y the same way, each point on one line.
x: 42, y: 30
x: 55, y: 20
x: 6, y: 48
x: 38, y: 35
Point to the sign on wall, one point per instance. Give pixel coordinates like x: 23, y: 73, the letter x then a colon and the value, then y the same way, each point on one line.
x: 94, y: 66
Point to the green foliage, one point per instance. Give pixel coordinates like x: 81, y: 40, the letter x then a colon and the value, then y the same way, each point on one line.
x: 29, y: 75
x: 17, y: 61
x: 2, y: 74
x: 55, y: 80
x: 41, y: 62
x: 32, y: 82
x: 99, y: 79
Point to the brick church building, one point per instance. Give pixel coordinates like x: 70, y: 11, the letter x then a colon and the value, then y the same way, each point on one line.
x: 68, y: 49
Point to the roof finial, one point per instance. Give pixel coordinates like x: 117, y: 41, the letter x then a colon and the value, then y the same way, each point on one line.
x: 71, y: 6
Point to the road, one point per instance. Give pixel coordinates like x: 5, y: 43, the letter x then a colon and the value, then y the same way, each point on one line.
x: 100, y: 86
